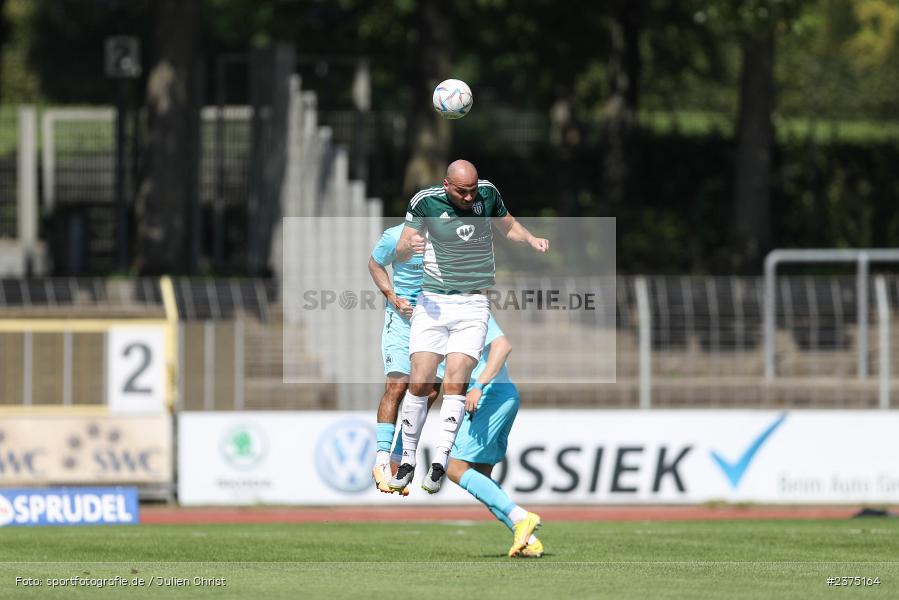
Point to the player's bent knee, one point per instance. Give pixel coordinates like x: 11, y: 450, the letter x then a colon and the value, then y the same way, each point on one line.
x: 454, y: 389
x: 396, y: 390
x: 421, y: 389
x: 456, y: 469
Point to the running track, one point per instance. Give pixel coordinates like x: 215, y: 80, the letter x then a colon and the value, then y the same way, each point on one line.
x: 177, y: 515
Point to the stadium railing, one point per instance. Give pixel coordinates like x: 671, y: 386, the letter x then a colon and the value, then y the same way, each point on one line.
x: 705, y: 342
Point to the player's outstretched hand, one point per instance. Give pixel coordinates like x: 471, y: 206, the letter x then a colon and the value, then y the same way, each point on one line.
x: 403, y: 306
x: 417, y: 243
x: 471, y: 400
x: 539, y: 244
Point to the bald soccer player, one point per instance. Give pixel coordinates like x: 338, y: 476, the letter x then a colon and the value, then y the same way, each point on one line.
x: 453, y: 225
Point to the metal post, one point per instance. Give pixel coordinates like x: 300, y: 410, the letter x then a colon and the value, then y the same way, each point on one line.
x: 736, y: 294
x: 104, y: 342
x: 645, y: 341
x: 120, y: 201
x: 714, y: 320
x: 208, y: 365
x: 214, y: 306
x: 686, y: 286
x: 883, y: 322
x: 28, y: 212
x: 785, y: 292
x: 770, y: 298
x: 238, y: 363
x: 48, y: 155
x: 27, y: 360
x: 837, y: 300
x: 862, y: 257
x: 182, y: 364
x: 861, y: 294
x: 661, y: 292
x: 67, y: 368
x: 218, y: 203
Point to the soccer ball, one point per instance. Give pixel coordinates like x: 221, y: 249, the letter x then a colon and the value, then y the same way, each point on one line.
x: 452, y: 99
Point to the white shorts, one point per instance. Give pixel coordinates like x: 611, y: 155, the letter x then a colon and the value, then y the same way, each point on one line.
x: 446, y: 323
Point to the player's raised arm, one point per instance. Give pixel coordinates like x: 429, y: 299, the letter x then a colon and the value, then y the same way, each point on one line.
x: 516, y: 232
x: 411, y: 242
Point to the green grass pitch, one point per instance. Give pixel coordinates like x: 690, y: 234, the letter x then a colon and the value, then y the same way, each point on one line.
x: 742, y: 559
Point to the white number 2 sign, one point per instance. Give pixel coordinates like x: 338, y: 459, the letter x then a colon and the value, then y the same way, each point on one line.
x: 135, y: 369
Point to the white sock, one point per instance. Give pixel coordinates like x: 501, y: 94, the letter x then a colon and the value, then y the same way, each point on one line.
x: 517, y: 514
x: 414, y: 413
x: 452, y: 410
x: 532, y: 539
x: 383, y: 457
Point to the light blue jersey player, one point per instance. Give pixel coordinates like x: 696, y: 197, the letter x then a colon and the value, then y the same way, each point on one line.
x: 401, y: 294
x: 491, y: 405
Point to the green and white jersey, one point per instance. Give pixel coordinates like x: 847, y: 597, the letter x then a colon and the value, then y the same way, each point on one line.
x: 459, y: 254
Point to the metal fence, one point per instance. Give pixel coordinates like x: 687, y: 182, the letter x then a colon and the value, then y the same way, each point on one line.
x: 700, y: 344
x: 226, y: 141
x: 90, y: 297
x: 707, y: 341
x: 78, y: 168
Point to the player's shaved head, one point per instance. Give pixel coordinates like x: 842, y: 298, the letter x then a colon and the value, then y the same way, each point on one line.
x: 462, y: 172
x: 461, y: 183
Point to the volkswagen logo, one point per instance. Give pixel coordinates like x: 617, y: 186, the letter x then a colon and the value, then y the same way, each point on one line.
x: 345, y: 454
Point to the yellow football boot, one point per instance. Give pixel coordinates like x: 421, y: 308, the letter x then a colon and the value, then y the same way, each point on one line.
x: 523, y: 531
x: 382, y: 475
x: 532, y: 550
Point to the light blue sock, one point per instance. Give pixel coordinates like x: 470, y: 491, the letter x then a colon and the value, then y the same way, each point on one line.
x: 489, y: 494
x: 385, y: 433
x: 501, y: 516
x: 398, y: 448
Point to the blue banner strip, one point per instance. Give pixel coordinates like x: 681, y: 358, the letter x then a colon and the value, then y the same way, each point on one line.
x: 69, y: 506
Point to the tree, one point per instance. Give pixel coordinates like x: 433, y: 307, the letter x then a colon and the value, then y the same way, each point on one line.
x: 621, y: 108
x: 4, y: 29
x: 755, y: 138
x: 429, y: 134
x: 169, y: 188
x: 756, y: 23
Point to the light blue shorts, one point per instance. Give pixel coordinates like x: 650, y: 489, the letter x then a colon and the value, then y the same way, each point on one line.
x: 395, y: 344
x: 483, y: 439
